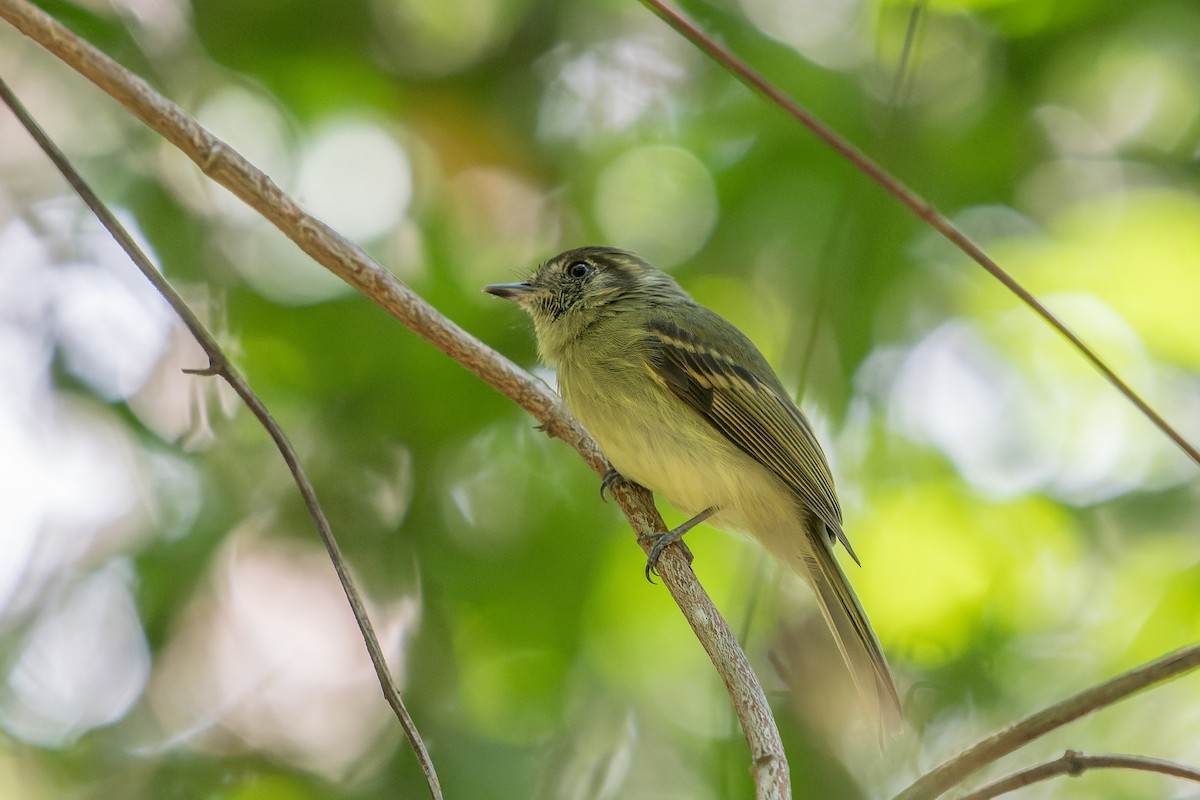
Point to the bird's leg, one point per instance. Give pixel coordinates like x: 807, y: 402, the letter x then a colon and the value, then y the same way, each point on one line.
x: 610, y: 479
x: 664, y: 540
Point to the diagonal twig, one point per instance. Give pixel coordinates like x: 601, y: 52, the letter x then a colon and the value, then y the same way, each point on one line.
x: 1074, y: 763
x: 219, y: 365
x: 910, y: 200
x: 948, y: 774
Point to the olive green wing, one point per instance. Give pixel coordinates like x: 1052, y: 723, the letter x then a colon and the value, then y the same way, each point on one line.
x: 751, y: 411
x: 745, y: 402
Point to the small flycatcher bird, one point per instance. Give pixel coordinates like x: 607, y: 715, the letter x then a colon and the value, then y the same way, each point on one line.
x: 681, y: 402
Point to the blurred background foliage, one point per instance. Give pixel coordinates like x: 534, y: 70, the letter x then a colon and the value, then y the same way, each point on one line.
x: 169, y: 626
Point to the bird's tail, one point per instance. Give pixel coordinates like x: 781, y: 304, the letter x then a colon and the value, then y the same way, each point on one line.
x: 852, y: 630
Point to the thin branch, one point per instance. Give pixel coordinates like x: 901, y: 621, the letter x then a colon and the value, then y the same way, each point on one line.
x: 218, y: 364
x: 1074, y: 763
x: 842, y: 230
x: 349, y: 262
x: 902, y: 80
x: 909, y: 199
x: 950, y: 773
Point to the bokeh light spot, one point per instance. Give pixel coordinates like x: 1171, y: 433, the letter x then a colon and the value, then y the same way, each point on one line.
x: 659, y: 201
x: 356, y: 177
x: 82, y: 665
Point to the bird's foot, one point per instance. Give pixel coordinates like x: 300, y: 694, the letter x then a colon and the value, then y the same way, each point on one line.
x: 661, y: 541
x: 611, y: 478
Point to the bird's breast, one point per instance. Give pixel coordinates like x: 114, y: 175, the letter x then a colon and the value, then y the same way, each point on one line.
x: 654, y: 439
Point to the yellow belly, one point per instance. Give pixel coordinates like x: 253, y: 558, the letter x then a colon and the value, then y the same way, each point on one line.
x: 657, y: 441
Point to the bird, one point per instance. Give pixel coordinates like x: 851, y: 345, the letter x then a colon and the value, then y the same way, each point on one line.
x: 681, y: 402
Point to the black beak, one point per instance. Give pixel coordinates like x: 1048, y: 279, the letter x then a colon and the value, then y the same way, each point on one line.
x: 510, y: 291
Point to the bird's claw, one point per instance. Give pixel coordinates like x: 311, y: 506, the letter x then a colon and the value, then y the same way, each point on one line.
x: 661, y: 542
x: 610, y: 479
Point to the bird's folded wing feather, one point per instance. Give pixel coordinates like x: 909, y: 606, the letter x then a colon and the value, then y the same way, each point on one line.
x: 751, y: 413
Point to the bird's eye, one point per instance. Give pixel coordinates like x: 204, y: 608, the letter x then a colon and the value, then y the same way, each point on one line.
x: 580, y: 270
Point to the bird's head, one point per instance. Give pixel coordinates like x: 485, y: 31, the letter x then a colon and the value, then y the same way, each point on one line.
x: 572, y: 292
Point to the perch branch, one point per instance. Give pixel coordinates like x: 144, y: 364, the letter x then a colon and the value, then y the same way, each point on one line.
x: 349, y: 262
